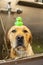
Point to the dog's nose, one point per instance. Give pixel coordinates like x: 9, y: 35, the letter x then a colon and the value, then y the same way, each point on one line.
x: 19, y: 37
x: 20, y: 40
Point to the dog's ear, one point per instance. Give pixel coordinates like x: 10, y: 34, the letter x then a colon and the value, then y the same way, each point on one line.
x: 30, y: 39
x: 8, y: 41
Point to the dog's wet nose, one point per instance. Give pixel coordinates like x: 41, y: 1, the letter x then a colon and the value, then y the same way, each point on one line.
x: 20, y: 40
x: 19, y: 37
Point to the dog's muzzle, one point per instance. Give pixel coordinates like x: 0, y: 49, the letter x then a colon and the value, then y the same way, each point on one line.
x: 20, y: 40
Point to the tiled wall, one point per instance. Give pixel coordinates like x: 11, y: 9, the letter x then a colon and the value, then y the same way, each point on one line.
x: 4, y: 3
x: 28, y: 0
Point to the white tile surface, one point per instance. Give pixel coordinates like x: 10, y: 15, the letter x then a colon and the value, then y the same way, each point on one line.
x: 28, y: 0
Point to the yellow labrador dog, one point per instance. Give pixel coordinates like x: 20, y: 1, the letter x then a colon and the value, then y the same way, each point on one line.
x: 20, y: 40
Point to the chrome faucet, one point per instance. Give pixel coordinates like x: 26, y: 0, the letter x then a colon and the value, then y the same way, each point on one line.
x: 9, y: 6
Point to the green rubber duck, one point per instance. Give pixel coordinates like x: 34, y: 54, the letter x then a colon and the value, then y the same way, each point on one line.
x: 18, y: 21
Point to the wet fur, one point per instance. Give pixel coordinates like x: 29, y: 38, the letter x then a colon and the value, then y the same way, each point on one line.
x: 27, y: 40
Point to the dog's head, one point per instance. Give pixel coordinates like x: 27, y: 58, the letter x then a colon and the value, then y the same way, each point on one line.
x: 19, y: 38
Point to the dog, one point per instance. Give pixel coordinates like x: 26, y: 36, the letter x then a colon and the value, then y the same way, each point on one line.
x: 20, y: 38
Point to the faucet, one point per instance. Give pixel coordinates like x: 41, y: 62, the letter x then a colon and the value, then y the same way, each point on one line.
x: 17, y: 10
x: 9, y: 7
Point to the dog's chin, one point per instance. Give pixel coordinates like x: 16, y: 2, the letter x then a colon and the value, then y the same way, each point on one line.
x: 20, y: 51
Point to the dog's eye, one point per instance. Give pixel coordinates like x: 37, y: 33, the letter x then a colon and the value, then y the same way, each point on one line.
x: 25, y: 31
x: 13, y: 31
